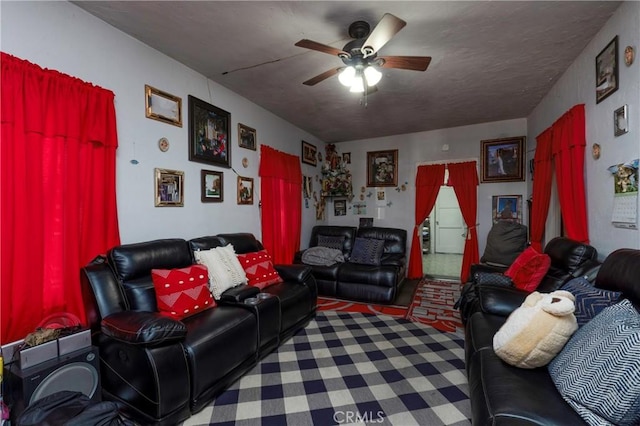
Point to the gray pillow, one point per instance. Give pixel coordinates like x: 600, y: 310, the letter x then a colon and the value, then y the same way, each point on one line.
x: 598, y: 370
x: 367, y: 251
x: 331, y: 241
x: 505, y: 241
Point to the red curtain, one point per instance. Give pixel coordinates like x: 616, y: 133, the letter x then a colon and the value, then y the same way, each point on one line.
x: 568, y: 151
x: 429, y: 179
x: 281, y: 198
x: 58, y: 200
x: 543, y: 172
x: 463, y: 177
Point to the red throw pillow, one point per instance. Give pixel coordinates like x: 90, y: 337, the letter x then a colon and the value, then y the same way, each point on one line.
x: 259, y: 269
x: 528, y: 269
x: 182, y: 292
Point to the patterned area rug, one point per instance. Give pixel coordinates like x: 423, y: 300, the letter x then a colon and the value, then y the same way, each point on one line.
x: 432, y: 304
x: 347, y: 368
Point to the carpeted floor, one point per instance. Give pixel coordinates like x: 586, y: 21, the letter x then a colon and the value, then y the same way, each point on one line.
x: 352, y: 368
x: 431, y: 303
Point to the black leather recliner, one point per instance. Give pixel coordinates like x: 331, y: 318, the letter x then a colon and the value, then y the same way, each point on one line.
x: 161, y: 369
x: 357, y: 282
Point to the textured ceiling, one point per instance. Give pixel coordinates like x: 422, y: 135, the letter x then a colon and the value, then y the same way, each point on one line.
x: 491, y: 60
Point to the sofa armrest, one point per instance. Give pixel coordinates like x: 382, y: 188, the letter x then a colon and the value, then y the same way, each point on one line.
x: 295, y: 273
x: 238, y: 294
x: 143, y: 328
x: 394, y: 259
x: 499, y: 300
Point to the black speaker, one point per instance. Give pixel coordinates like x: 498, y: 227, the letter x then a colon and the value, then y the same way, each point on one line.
x: 77, y: 371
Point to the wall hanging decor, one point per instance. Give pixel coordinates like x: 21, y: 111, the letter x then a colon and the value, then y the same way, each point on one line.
x: 309, y: 154
x: 607, y: 71
x: 629, y: 55
x: 246, y: 137
x: 245, y: 190
x: 162, y: 106
x: 163, y: 144
x: 625, y: 194
x: 209, y: 137
x: 503, y: 159
x: 211, y: 186
x: 340, y: 207
x: 506, y: 207
x: 620, y: 121
x: 169, y: 188
x: 382, y: 168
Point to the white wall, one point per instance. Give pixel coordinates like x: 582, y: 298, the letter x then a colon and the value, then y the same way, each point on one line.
x: 417, y: 148
x: 61, y: 36
x: 577, y: 86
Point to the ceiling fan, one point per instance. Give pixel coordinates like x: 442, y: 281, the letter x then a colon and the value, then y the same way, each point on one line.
x: 361, y: 55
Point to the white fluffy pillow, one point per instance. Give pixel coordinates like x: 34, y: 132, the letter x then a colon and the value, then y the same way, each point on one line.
x: 225, y: 270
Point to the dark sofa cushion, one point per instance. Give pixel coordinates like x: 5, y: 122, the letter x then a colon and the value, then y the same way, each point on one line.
x: 331, y: 241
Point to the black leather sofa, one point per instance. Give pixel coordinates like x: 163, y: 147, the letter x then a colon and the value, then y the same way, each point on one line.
x: 358, y: 282
x: 505, y: 395
x: 163, y: 370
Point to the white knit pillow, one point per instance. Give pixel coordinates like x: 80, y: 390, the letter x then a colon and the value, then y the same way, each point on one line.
x: 225, y: 271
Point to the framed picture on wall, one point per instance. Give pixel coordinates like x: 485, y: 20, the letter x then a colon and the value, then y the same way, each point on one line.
x: 169, y: 188
x: 382, y: 168
x: 246, y: 137
x: 162, y: 106
x: 245, y: 190
x: 607, y: 71
x: 503, y: 159
x: 211, y: 186
x: 340, y: 207
x: 309, y: 154
x: 507, y: 207
x: 209, y: 136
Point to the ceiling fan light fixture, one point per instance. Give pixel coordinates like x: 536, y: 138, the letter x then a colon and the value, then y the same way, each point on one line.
x: 372, y: 75
x: 358, y: 84
x: 347, y: 76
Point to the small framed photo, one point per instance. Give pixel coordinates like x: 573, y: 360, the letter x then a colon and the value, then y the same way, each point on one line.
x: 246, y: 137
x: 169, y: 191
x: 507, y: 207
x: 209, y: 136
x: 346, y: 158
x: 245, y: 190
x: 162, y: 106
x: 607, y: 71
x: 340, y: 207
x: 309, y: 154
x: 620, y: 121
x: 503, y: 159
x: 382, y: 168
x: 211, y: 186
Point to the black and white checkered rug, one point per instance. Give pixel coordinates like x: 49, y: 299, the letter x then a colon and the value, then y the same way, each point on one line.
x: 352, y: 368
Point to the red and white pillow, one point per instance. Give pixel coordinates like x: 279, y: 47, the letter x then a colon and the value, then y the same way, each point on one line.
x: 259, y: 269
x: 182, y: 292
x: 528, y: 269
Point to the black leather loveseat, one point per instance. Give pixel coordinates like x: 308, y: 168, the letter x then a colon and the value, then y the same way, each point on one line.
x: 504, y: 395
x: 162, y: 369
x: 361, y: 282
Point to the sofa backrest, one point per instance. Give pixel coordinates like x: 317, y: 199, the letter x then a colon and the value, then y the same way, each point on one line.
x: 620, y: 271
x: 348, y: 232
x: 395, y: 240
x: 242, y: 242
x: 567, y: 257
x: 132, y: 265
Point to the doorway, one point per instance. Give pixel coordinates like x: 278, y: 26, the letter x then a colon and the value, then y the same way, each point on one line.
x: 447, y: 235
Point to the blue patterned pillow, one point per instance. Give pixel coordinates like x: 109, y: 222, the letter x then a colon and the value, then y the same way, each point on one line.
x: 367, y: 251
x: 598, y: 371
x: 589, y: 300
x: 331, y: 241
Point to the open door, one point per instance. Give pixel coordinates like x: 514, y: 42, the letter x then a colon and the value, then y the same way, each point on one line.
x: 449, y: 225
